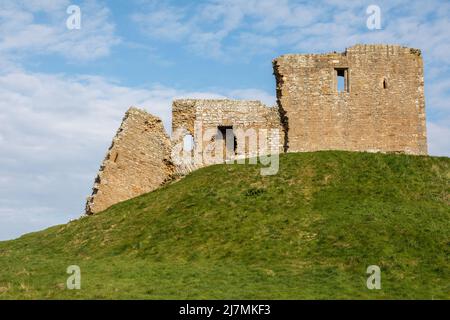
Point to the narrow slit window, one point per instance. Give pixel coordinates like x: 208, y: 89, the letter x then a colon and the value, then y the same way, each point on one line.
x: 384, y: 84
x: 342, y: 80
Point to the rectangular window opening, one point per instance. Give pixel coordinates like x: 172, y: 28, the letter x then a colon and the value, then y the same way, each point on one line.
x: 342, y: 79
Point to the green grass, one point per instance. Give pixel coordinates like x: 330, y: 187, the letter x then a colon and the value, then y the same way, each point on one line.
x: 226, y: 232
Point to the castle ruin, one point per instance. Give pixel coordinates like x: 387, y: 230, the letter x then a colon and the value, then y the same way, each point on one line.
x: 368, y: 98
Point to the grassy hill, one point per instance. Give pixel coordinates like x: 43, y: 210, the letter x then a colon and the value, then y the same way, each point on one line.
x: 227, y: 232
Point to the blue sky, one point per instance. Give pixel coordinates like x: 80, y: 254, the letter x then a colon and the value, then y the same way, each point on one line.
x: 63, y: 92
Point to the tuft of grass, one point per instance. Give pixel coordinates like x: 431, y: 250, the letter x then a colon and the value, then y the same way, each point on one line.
x: 226, y: 232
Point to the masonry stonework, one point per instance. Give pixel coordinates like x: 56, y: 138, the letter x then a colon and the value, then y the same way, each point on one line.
x: 381, y: 107
x: 254, y: 125
x: 137, y: 162
x: 368, y: 98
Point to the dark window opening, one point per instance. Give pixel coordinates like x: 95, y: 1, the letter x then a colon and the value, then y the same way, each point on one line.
x: 384, y: 84
x: 116, y: 156
x: 222, y: 132
x: 342, y: 80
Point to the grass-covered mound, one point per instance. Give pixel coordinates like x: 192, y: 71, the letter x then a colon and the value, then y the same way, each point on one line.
x: 227, y: 232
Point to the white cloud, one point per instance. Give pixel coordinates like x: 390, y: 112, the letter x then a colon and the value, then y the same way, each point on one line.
x: 164, y: 23
x: 439, y: 138
x: 437, y: 94
x: 254, y: 94
x: 22, y: 33
x: 211, y: 28
x: 45, y: 111
x: 204, y: 28
x: 16, y: 221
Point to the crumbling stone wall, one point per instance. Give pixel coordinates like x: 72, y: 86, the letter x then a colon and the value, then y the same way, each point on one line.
x: 197, y: 117
x: 137, y: 162
x: 381, y: 109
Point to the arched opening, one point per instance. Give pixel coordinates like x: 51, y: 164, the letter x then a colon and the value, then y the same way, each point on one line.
x: 384, y: 84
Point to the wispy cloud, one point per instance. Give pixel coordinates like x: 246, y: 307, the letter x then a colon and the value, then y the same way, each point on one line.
x: 163, y: 22
x: 28, y: 28
x: 253, y: 94
x: 439, y: 138
x: 206, y: 28
x: 211, y: 28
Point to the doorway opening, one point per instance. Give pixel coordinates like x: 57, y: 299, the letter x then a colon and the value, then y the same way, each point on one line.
x: 226, y: 134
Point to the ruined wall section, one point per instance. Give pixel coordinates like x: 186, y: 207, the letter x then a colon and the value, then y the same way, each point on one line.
x: 209, y: 114
x: 383, y: 108
x: 137, y: 162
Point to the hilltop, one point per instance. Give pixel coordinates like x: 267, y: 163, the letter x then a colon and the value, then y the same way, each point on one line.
x: 225, y: 231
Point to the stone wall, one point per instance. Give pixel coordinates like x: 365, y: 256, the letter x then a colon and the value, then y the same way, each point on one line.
x: 382, y: 107
x: 248, y: 119
x: 137, y: 162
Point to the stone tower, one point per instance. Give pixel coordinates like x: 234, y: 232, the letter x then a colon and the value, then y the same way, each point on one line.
x: 369, y: 98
